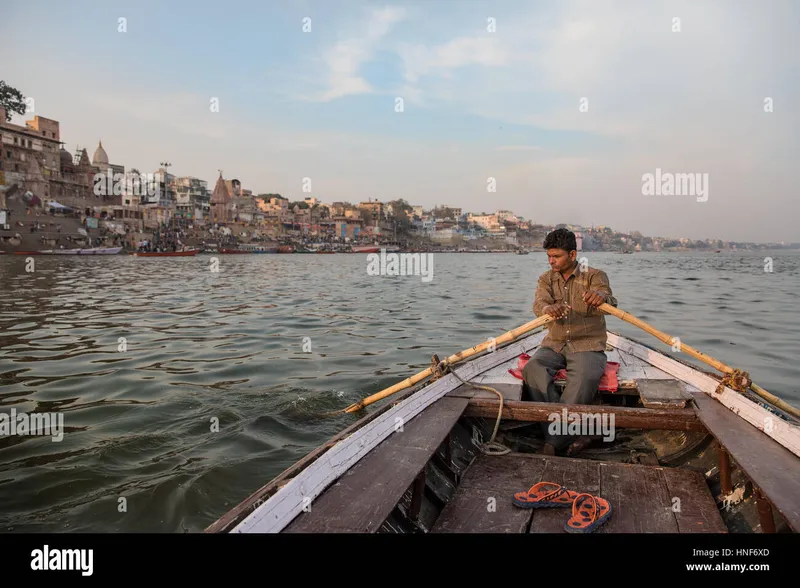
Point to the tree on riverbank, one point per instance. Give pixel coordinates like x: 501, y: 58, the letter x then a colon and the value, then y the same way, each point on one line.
x: 12, y: 100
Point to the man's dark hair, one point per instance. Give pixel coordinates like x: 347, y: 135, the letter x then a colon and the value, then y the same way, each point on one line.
x: 561, y: 239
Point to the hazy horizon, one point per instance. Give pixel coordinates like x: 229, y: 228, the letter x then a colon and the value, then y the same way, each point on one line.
x: 566, y: 104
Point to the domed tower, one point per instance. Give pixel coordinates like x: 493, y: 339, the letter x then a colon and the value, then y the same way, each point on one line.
x: 100, y: 158
x: 66, y: 161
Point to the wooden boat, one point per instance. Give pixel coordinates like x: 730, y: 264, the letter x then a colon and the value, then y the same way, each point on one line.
x: 85, y: 251
x: 252, y: 248
x: 690, y: 455
x: 229, y: 250
x: 95, y: 251
x: 185, y: 253
x: 365, y: 249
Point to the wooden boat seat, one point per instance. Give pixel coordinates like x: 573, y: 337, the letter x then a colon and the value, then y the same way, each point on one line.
x: 643, y: 498
x: 361, y: 499
x: 663, y: 393
x: 769, y: 465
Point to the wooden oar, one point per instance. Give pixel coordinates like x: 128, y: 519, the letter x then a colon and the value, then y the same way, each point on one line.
x: 716, y: 364
x: 505, y: 338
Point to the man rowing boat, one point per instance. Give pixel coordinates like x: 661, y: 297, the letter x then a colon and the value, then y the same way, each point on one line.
x: 576, y: 340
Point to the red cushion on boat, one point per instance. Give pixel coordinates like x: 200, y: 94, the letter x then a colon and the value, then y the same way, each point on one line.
x: 608, y: 382
x: 517, y: 371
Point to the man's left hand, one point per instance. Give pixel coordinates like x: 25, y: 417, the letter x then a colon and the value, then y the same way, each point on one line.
x: 593, y: 299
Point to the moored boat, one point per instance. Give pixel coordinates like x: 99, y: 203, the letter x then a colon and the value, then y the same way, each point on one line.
x: 421, y: 463
x: 184, y: 253
x: 85, y: 251
x: 98, y: 251
x: 365, y: 249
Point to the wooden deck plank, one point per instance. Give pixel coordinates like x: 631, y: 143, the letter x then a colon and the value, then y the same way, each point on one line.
x: 770, y: 466
x: 630, y: 367
x: 692, y: 509
x: 507, y: 474
x: 653, y: 373
x: 366, y: 494
x: 630, y: 373
x: 642, y: 496
x: 574, y: 474
x: 640, y: 499
x: 509, y: 391
x: 472, y: 509
x: 662, y: 393
x: 475, y: 510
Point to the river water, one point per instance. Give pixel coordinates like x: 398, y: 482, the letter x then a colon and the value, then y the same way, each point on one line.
x: 185, y: 389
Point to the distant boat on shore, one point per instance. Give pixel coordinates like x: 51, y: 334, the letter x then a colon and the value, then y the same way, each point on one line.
x: 89, y: 251
x: 186, y: 253
x: 365, y: 249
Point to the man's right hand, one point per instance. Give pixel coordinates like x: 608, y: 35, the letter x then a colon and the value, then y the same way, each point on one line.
x: 557, y: 311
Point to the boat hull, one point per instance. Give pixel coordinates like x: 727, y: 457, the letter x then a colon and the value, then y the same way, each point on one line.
x: 452, y: 420
x: 164, y: 253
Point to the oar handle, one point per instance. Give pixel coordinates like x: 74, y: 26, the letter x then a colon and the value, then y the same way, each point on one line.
x: 716, y: 364
x: 663, y: 337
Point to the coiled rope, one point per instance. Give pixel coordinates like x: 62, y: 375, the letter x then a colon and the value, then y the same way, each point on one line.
x: 491, y: 447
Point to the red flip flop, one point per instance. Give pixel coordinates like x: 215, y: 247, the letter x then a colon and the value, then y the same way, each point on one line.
x: 545, y: 495
x: 588, y: 513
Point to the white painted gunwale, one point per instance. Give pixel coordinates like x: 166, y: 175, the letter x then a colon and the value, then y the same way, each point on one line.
x: 281, y: 508
x: 768, y: 423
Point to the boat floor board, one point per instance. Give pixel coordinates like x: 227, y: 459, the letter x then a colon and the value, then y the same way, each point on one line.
x: 770, y: 466
x: 367, y: 493
x: 509, y: 391
x: 663, y: 393
x: 482, y: 502
x: 644, y: 499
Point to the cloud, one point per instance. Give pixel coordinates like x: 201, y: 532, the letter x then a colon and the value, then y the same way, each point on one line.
x: 186, y: 113
x: 345, y: 59
x: 518, y: 148
x: 420, y: 61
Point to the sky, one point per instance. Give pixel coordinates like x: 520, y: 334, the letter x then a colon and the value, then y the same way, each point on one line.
x: 554, y: 110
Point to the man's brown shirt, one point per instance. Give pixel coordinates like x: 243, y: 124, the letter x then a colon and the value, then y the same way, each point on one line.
x: 584, y: 328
